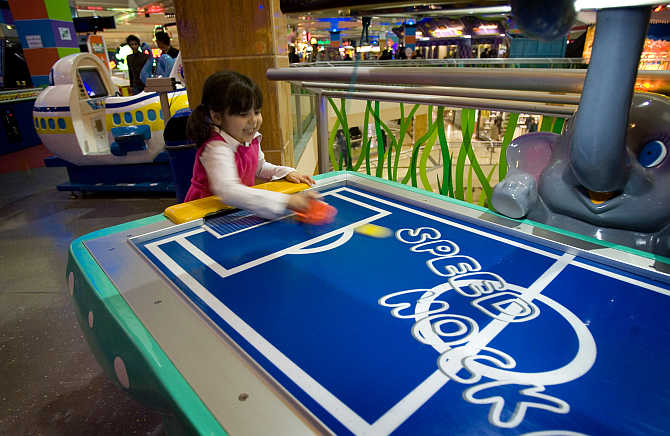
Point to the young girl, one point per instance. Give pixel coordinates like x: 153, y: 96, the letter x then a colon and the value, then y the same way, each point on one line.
x: 225, y: 127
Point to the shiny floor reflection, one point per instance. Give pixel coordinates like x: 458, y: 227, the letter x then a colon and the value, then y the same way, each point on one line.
x: 50, y: 383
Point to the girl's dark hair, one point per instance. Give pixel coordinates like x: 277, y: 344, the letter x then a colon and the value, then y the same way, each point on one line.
x: 224, y: 92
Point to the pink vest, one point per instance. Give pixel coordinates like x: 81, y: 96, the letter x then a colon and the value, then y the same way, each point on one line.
x: 246, y: 161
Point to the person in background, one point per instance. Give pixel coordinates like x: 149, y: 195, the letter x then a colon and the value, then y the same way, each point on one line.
x: 229, y: 157
x: 496, y: 129
x: 341, y: 141
x: 163, y: 42
x: 164, y: 63
x: 163, y: 67
x: 135, y: 61
x: 293, y: 57
x: 531, y: 125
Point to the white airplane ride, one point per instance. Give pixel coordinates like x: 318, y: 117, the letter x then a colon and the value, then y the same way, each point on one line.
x: 82, y: 120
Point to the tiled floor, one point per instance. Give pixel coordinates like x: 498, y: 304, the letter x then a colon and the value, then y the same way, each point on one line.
x: 50, y: 383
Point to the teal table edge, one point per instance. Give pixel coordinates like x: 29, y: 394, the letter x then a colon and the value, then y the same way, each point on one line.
x: 112, y: 331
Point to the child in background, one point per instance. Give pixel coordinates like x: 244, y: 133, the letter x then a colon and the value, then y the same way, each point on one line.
x: 229, y: 158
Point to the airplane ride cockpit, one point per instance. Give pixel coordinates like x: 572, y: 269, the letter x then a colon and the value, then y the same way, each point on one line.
x: 91, y: 124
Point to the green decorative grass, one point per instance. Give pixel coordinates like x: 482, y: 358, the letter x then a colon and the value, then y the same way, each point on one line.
x: 546, y: 124
x: 411, y: 172
x: 404, y: 126
x: 509, y: 135
x: 430, y: 142
x: 558, y: 125
x: 458, y: 183
x: 447, y: 186
x: 331, y: 150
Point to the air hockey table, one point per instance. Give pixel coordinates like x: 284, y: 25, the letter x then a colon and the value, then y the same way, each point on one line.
x: 460, y: 321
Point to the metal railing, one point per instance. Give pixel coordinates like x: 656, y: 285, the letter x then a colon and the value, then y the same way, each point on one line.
x: 552, y: 94
x: 570, y: 63
x: 531, y: 79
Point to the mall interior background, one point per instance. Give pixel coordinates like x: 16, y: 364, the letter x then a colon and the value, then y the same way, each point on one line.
x: 49, y: 381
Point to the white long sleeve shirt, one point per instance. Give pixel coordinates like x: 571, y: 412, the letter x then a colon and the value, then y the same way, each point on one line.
x: 218, y: 158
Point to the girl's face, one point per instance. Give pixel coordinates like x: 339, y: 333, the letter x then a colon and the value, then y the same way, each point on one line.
x: 242, y: 126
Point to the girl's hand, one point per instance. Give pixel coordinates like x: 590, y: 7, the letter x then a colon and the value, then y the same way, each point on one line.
x: 299, y: 202
x: 296, y: 177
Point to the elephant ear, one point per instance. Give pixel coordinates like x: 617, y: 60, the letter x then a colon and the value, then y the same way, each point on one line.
x: 531, y: 153
x: 648, y: 122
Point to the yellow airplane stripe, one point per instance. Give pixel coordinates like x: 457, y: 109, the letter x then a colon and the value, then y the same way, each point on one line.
x: 55, y: 127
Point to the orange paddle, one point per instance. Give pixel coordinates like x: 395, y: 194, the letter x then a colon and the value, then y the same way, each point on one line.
x: 318, y: 213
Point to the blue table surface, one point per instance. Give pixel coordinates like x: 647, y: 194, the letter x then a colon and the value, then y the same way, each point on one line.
x: 442, y: 328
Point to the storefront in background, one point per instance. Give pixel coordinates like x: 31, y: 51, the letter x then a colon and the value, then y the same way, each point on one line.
x: 656, y: 51
x: 467, y: 37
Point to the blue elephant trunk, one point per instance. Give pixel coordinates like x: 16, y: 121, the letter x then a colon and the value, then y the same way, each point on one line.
x: 598, y: 155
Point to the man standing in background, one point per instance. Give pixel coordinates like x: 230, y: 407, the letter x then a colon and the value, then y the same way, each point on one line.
x: 135, y: 61
x: 163, y: 42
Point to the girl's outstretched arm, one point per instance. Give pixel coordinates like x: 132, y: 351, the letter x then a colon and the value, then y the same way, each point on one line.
x: 219, y: 162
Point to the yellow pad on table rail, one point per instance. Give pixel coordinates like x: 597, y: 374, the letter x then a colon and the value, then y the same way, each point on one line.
x: 196, y: 209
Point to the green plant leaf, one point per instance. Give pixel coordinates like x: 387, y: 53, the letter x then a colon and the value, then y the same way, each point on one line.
x: 365, y: 141
x: 347, y: 135
x: 483, y: 198
x: 390, y: 138
x: 404, y: 126
x: 425, y: 154
x: 558, y: 125
x: 342, y: 118
x: 469, y: 189
x: 509, y: 135
x: 546, y: 124
x: 467, y: 126
x: 411, y: 172
x: 446, y: 158
x: 424, y: 159
x: 367, y: 149
x: 450, y: 187
x: 466, y: 150
x: 331, y: 141
x: 474, y: 164
x: 389, y: 154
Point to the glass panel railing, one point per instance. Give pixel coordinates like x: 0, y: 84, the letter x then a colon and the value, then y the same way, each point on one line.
x: 304, y: 120
x: 457, y: 152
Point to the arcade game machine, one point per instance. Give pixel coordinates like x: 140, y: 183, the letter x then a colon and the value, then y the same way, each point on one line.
x: 407, y: 312
x: 107, y: 142
x: 17, y: 97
